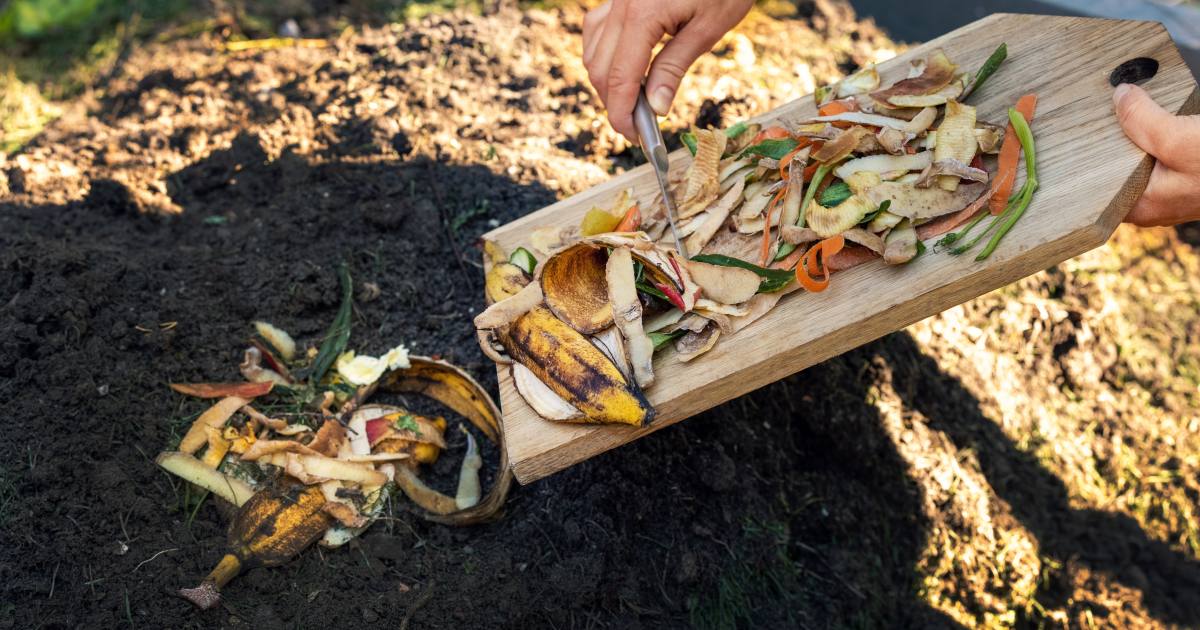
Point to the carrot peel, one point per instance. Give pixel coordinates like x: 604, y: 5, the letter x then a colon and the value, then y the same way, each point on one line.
x: 815, y: 263
x: 1010, y: 154
x: 766, y: 240
x: 771, y: 133
x: 631, y: 221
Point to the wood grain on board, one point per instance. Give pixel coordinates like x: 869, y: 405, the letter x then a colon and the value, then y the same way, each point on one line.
x: 1090, y: 176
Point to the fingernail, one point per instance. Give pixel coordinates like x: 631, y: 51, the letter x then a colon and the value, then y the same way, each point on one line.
x: 660, y: 99
x: 1120, y: 92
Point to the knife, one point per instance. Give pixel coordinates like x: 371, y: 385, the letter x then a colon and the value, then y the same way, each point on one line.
x: 646, y: 122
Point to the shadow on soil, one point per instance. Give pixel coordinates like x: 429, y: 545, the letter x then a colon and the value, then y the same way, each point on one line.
x: 787, y: 507
x: 1100, y: 541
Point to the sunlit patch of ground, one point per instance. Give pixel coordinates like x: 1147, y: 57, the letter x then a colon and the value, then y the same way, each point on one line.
x: 1086, y: 435
x: 1090, y: 370
x: 23, y: 112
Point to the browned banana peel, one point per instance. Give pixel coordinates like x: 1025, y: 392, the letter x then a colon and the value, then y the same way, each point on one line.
x: 456, y: 389
x: 277, y: 523
x: 575, y: 288
x: 575, y: 369
x: 504, y: 280
x: 272, y: 527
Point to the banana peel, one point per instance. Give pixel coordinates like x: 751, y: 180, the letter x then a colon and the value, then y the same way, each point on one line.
x: 575, y: 288
x: 455, y: 389
x: 268, y: 530
x: 276, y: 523
x: 575, y: 369
x: 504, y: 280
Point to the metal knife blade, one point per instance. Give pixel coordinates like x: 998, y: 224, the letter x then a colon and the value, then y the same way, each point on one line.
x: 655, y: 150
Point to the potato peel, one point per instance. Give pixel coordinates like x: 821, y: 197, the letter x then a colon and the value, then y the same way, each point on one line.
x: 703, y: 183
x: 694, y: 344
x: 627, y: 314
x: 937, y: 73
x: 215, y: 417
x: 906, y: 200
x: 955, y: 140
x: 728, y: 285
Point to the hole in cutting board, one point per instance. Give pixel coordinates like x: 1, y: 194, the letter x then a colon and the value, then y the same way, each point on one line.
x: 1134, y: 71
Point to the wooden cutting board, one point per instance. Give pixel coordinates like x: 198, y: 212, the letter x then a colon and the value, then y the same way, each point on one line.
x: 1090, y: 175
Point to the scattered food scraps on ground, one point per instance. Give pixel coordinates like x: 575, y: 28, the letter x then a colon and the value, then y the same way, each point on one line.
x: 303, y: 457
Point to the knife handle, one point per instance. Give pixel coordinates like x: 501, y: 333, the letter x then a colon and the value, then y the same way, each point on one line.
x: 646, y: 122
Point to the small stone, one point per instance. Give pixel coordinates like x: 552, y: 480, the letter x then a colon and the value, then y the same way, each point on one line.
x: 289, y: 29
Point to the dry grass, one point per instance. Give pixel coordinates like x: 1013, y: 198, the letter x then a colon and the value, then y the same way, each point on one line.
x: 1089, y: 369
x: 23, y: 112
x: 1087, y: 375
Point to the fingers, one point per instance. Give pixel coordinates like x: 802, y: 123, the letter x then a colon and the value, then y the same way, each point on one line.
x: 672, y: 63
x: 1171, y: 198
x: 593, y: 23
x: 1167, y: 137
x: 608, y: 40
x: 626, y: 74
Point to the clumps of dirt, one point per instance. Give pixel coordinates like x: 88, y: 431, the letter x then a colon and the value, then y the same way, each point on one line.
x: 1027, y: 458
x: 1089, y: 372
x: 505, y: 90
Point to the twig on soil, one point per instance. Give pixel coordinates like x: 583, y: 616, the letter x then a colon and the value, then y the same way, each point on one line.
x: 664, y: 546
x: 53, y: 580
x: 422, y: 599
x: 90, y: 573
x: 123, y: 520
x: 274, y: 42
x: 128, y: 610
x: 153, y: 557
x: 850, y: 587
x: 550, y: 542
x: 441, y: 208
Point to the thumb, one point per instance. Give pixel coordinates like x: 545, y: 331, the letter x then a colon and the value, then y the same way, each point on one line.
x: 1148, y: 125
x: 671, y: 63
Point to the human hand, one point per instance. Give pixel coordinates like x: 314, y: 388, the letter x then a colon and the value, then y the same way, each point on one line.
x: 619, y: 35
x: 1173, y: 194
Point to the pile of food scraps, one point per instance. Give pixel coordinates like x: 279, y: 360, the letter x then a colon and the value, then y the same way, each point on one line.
x: 304, y: 457
x: 771, y: 210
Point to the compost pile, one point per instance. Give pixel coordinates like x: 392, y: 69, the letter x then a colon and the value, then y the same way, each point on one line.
x: 581, y: 328
x: 1030, y: 456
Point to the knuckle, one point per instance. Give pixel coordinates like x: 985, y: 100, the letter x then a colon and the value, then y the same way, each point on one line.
x: 636, y: 11
x: 619, y: 78
x: 672, y: 67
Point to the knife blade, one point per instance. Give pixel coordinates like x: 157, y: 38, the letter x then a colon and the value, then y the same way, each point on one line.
x: 646, y: 122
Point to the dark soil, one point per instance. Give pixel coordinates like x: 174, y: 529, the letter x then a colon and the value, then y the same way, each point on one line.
x: 143, y: 232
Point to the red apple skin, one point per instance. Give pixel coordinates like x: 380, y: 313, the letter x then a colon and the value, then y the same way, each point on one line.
x: 377, y: 429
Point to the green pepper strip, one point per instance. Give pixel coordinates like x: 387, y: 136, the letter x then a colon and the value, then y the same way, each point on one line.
x: 1025, y: 135
x: 989, y: 67
x: 962, y: 249
x: 1016, y: 204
